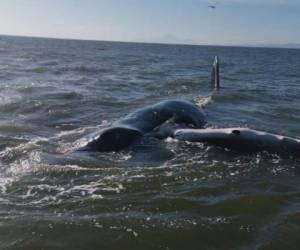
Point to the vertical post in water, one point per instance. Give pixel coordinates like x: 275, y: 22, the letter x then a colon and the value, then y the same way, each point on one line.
x: 215, y: 77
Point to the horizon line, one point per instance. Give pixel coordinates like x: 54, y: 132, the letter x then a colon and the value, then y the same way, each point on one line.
x: 265, y: 46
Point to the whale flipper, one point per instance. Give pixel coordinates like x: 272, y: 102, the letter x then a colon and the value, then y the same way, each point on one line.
x: 113, y: 139
x: 215, y: 76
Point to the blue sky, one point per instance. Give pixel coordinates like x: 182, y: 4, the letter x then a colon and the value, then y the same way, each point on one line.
x: 233, y: 22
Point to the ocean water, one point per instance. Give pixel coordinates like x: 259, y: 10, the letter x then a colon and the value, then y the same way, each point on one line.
x: 157, y: 195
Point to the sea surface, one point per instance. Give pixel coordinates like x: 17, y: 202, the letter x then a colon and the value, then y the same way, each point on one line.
x: 158, y: 195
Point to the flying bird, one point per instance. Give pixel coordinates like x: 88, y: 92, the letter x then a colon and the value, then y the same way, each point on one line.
x: 212, y: 6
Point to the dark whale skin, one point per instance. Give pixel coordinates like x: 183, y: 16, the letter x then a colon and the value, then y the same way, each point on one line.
x: 134, y: 126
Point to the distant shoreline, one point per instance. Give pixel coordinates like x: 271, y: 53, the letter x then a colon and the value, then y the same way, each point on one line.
x: 263, y: 46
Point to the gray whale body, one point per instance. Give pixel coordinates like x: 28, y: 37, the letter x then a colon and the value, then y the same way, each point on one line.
x: 241, y: 139
x: 137, y: 124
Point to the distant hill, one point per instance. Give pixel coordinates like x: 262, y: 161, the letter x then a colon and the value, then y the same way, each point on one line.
x: 283, y: 45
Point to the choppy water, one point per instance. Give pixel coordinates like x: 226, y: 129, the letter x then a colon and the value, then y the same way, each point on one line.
x: 161, y: 195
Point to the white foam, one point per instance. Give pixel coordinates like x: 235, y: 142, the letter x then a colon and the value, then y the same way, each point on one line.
x: 203, y: 101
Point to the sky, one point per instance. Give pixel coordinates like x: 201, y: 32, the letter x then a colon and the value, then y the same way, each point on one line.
x: 232, y: 22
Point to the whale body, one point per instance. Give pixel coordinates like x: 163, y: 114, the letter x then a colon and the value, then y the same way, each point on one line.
x: 241, y: 139
x: 137, y: 124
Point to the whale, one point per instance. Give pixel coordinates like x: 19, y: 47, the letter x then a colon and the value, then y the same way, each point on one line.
x: 141, y: 122
x: 184, y: 121
x: 241, y: 139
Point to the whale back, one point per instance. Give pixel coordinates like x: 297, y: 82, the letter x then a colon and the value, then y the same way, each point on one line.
x: 126, y: 131
x: 146, y: 119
